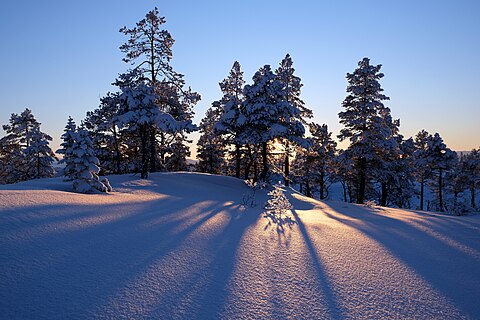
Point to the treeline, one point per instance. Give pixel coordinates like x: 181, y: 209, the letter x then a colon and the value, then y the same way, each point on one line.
x: 249, y: 133
x: 258, y: 131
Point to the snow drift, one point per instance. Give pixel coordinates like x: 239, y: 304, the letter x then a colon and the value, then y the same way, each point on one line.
x: 183, y: 246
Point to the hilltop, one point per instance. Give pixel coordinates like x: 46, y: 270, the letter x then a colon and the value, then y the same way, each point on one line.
x: 184, y: 246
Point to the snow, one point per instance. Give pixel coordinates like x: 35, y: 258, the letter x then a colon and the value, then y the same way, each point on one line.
x: 182, y: 246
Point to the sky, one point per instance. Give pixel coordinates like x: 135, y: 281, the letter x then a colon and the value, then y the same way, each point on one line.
x: 59, y: 57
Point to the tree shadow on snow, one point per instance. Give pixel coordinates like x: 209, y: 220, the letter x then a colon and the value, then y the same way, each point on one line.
x: 281, y: 222
x: 326, y: 288
x: 85, y: 260
x: 438, y: 260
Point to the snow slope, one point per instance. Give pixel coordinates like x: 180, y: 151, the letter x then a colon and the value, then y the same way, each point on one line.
x: 182, y: 246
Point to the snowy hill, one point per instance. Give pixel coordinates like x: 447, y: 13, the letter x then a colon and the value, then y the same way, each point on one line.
x: 182, y: 246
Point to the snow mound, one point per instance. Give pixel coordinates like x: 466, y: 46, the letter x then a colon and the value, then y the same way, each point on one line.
x: 183, y: 246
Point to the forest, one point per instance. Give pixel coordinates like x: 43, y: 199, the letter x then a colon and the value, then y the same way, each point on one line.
x: 261, y: 131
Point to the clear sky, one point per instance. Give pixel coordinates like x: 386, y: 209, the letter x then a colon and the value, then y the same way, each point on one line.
x: 59, y: 57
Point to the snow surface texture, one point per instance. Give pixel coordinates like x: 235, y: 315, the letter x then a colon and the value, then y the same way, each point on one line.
x: 182, y: 246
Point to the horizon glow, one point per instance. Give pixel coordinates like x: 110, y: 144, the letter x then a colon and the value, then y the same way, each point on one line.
x: 61, y: 57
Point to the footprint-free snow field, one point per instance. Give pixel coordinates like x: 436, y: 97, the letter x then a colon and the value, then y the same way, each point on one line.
x: 184, y: 246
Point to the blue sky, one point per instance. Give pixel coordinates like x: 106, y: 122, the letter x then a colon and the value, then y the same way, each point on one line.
x: 59, y: 57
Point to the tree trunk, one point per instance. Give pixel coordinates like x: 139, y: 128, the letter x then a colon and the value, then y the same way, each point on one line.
x: 344, y: 186
x: 422, y: 188
x: 249, y: 163
x: 144, y: 138
x: 440, y: 195
x: 38, y: 165
x: 308, y: 193
x: 162, y: 149
x: 383, y: 200
x: 117, y: 150
x: 322, y: 185
x: 237, y: 161
x: 263, y: 174
x: 472, y: 192
x: 287, y: 164
x: 350, y: 195
x: 361, y: 187
x: 210, y: 163
x: 153, y: 149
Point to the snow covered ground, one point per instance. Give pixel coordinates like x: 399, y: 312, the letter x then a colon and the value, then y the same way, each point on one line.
x: 182, y: 246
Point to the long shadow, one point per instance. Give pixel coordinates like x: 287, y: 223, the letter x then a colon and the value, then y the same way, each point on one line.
x: 454, y: 273
x: 97, y: 259
x: 326, y: 286
x: 210, y: 297
x: 104, y: 258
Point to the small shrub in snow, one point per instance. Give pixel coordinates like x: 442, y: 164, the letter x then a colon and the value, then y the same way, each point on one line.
x: 370, y: 203
x: 249, y: 197
x: 278, y: 206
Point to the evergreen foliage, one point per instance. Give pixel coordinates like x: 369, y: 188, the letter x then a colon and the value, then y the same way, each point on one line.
x: 292, y: 86
x: 24, y: 151
x: 150, y: 48
x: 440, y: 159
x: 210, y: 146
x: 231, y: 102
x: 38, y: 155
x: 277, y: 206
x: 107, y: 135
x: 363, y: 119
x: 68, y: 137
x: 85, y: 177
x: 323, y: 150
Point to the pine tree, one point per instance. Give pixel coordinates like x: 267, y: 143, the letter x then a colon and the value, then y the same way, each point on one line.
x: 401, y: 175
x: 140, y: 114
x: 305, y: 173
x: 423, y: 170
x: 266, y: 114
x: 106, y: 134
x: 231, y: 102
x: 292, y: 86
x: 257, y: 113
x: 363, y: 105
x: 470, y: 168
x: 456, y: 182
x: 440, y: 159
x: 68, y: 137
x: 386, y: 142
x: 12, y: 153
x: 323, y: 151
x: 210, y: 146
x: 180, y: 108
x: 177, y: 161
x: 40, y: 157
x: 86, y: 178
x: 344, y: 172
x: 24, y: 146
x: 150, y: 47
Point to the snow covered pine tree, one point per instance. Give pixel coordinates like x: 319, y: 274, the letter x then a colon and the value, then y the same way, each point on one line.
x: 363, y: 106
x: 231, y: 102
x: 150, y: 47
x: 85, y: 178
x: 297, y: 111
x: 266, y: 114
x: 24, y: 151
x: 210, y: 146
x: 69, y: 136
